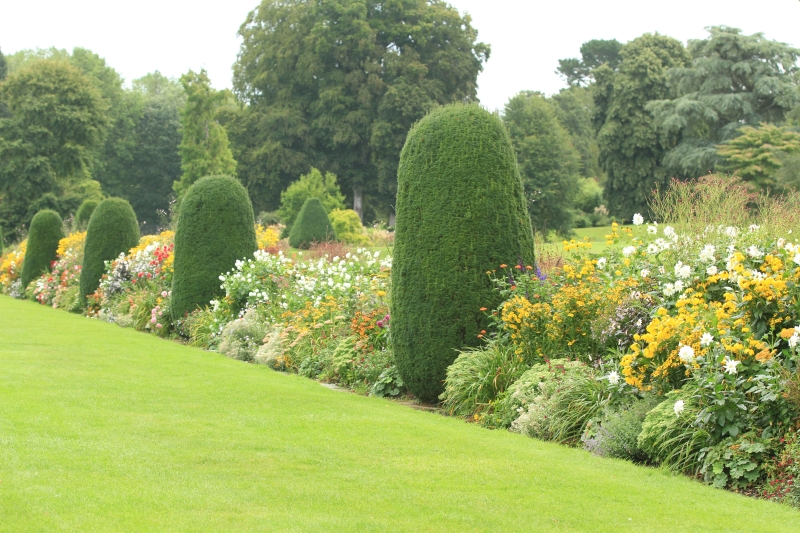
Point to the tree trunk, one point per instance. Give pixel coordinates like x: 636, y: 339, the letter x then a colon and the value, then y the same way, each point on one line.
x: 358, y: 202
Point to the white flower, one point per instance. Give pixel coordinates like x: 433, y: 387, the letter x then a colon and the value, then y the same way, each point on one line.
x: 613, y: 377
x: 601, y: 263
x: 644, y: 272
x: 669, y: 289
x: 652, y: 249
x: 682, y: 271
x: 797, y: 259
x: 662, y: 244
x: 707, y: 254
x: 754, y: 252
x: 712, y: 270
x: 628, y: 251
x: 679, y: 286
x: 652, y: 230
x: 678, y: 407
x: 669, y: 232
x: 686, y: 354
x: 730, y: 365
x: 793, y: 340
x: 781, y: 242
x: 753, y: 227
x: 731, y: 232
x: 638, y: 219
x: 706, y: 339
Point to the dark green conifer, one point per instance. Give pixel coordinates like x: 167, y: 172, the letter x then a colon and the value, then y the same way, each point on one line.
x: 46, y: 230
x: 85, y: 213
x: 460, y: 213
x: 112, y: 230
x: 312, y: 226
x: 215, y: 228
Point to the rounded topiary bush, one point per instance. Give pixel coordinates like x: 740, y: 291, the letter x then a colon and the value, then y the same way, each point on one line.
x: 311, y: 226
x: 45, y: 232
x: 460, y: 213
x: 215, y: 228
x: 85, y: 213
x: 348, y: 228
x: 112, y: 230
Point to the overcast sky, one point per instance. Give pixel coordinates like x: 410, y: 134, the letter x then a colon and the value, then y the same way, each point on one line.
x: 528, y: 37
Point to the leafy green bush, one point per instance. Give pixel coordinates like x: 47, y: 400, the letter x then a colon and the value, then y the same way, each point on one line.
x: 85, y: 213
x: 348, y: 227
x: 669, y: 436
x: 618, y: 432
x: 311, y: 185
x: 312, y: 226
x: 45, y: 232
x: 478, y: 376
x: 736, y: 462
x: 460, y: 213
x: 215, y: 229
x: 112, y: 230
x: 242, y: 338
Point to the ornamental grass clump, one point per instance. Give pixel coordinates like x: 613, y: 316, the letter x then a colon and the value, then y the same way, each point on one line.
x: 113, y: 230
x: 460, y: 212
x: 45, y: 233
x: 216, y: 228
x: 312, y: 226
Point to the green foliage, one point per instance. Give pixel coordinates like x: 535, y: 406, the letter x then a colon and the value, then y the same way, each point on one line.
x: 204, y: 148
x: 460, y: 213
x: 241, y: 339
x: 85, y: 213
x: 756, y: 154
x: 577, y: 72
x: 669, y: 436
x: 733, y: 80
x: 736, y: 462
x: 548, y: 163
x: 575, y: 107
x: 2, y: 243
x: 478, y: 376
x: 630, y: 147
x: 339, y: 83
x: 58, y: 120
x: 215, y: 229
x: 312, y: 226
x: 618, y: 432
x: 112, y: 230
x: 45, y: 232
x: 311, y: 185
x: 348, y: 227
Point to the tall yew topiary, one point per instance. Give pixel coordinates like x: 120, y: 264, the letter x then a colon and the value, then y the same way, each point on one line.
x: 85, y: 213
x: 216, y: 228
x: 112, y: 230
x: 311, y: 226
x: 46, y: 230
x: 460, y: 213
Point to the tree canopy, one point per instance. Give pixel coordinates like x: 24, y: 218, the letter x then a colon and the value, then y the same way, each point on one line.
x: 757, y: 154
x: 732, y: 80
x: 337, y: 84
x: 578, y: 72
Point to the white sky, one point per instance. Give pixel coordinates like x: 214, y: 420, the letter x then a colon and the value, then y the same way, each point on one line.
x: 527, y: 36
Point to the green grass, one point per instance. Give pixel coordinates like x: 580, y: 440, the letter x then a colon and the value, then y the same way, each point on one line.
x: 106, y: 429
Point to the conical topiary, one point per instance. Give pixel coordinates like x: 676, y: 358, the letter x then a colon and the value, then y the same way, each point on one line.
x: 215, y: 228
x: 312, y: 226
x: 112, y: 230
x: 85, y: 213
x: 460, y: 213
x: 46, y: 230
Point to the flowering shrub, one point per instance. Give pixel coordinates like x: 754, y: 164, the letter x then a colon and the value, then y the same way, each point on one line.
x: 59, y: 287
x: 10, y: 270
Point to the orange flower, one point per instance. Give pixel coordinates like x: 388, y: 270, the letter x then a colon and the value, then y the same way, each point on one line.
x: 483, y: 309
x: 503, y: 265
x: 528, y: 267
x: 518, y: 267
x: 483, y: 331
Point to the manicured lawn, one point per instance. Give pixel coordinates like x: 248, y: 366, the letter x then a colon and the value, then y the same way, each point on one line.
x: 106, y: 429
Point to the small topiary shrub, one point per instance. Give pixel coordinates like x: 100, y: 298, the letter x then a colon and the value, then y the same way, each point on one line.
x: 348, y: 227
x: 85, y: 213
x: 113, y: 229
x: 460, y: 213
x: 312, y: 226
x: 215, y: 228
x: 46, y: 231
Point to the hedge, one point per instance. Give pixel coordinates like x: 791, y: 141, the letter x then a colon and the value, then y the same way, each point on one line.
x: 45, y: 232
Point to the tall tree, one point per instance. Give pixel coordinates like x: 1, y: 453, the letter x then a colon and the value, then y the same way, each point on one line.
x: 757, y: 154
x: 733, y: 80
x: 548, y: 163
x: 575, y: 108
x: 337, y: 84
x: 578, y: 72
x: 4, y: 113
x: 57, y: 119
x: 630, y: 148
x: 204, y: 147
